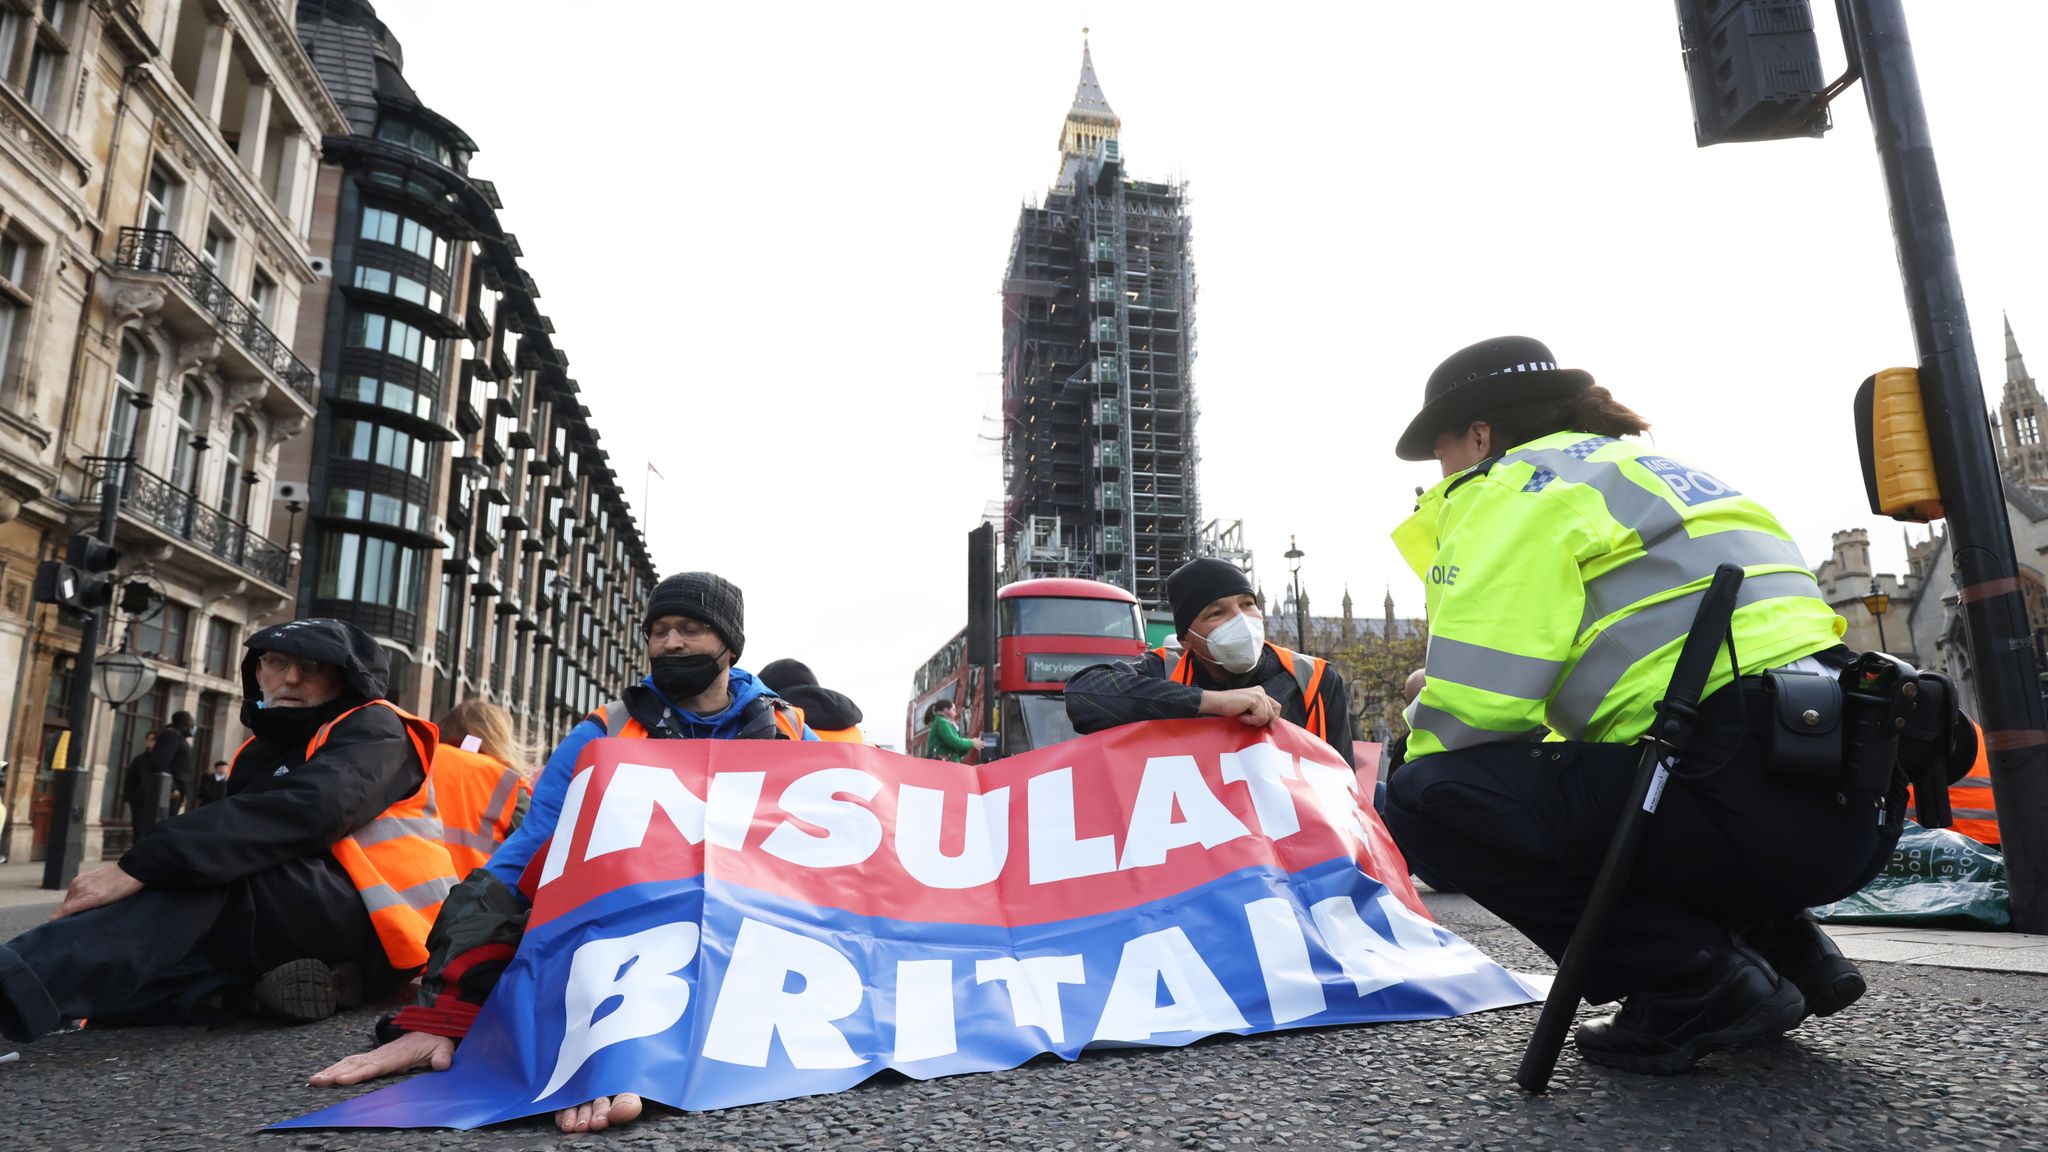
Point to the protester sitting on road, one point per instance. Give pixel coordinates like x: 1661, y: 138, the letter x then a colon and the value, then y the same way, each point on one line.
x: 481, y: 774
x: 212, y: 786
x: 1563, y: 568
x: 1235, y: 672
x: 832, y: 715
x: 310, y: 882
x: 942, y: 738
x: 695, y: 630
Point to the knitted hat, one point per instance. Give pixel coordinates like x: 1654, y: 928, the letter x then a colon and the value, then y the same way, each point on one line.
x: 1199, y: 583
x: 701, y: 596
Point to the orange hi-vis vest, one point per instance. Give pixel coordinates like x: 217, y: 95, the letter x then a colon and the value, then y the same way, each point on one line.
x: 1969, y: 799
x: 397, y: 861
x: 1306, y: 670
x: 617, y: 721
x: 851, y: 735
x: 480, y: 799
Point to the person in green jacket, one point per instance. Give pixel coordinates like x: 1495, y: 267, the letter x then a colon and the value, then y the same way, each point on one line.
x: 1562, y: 566
x: 942, y: 739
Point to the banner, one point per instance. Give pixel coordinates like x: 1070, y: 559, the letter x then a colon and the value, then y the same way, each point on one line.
x: 722, y: 923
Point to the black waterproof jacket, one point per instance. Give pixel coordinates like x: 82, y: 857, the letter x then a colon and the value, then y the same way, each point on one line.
x: 279, y: 804
x: 171, y: 756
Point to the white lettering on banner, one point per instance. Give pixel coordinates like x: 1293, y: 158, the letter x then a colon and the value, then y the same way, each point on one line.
x: 920, y: 824
x: 627, y: 809
x: 1173, y: 783
x: 1033, y: 983
x: 640, y: 972
x: 924, y: 1010
x: 1292, y: 989
x: 1373, y: 962
x: 1055, y: 853
x: 1336, y: 792
x: 1196, y: 999
x: 565, y: 828
x: 1264, y: 770
x: 754, y: 1008
x: 852, y: 833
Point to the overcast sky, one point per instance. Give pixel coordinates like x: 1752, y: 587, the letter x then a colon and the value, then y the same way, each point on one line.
x: 771, y: 237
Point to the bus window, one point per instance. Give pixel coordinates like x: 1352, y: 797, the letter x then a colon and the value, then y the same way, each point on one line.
x: 1034, y: 721
x: 1047, y: 616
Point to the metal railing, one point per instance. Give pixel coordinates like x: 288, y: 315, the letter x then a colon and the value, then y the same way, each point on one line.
x: 156, y: 501
x: 153, y: 250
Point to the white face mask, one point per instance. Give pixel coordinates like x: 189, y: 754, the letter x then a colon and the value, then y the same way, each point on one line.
x: 1236, y: 643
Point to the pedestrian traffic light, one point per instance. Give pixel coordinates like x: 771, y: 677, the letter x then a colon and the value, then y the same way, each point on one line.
x: 1891, y: 440
x: 78, y: 582
x: 1754, y: 69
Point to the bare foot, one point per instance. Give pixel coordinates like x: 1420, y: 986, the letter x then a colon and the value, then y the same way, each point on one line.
x: 599, y: 1114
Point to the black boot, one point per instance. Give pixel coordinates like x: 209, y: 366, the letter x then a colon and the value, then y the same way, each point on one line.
x: 1737, y: 1001
x: 1797, y: 947
x: 307, y: 991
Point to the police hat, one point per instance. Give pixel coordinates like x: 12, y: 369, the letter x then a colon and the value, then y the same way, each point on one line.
x: 1482, y: 378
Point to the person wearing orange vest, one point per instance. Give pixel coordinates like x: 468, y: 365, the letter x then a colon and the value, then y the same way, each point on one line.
x: 313, y: 881
x: 1233, y: 670
x: 832, y: 715
x: 695, y: 629
x: 480, y: 782
x: 1969, y: 798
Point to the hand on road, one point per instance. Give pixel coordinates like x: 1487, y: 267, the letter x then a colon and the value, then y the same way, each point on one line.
x: 1251, y: 705
x: 96, y: 889
x: 599, y: 1114
x: 408, y: 1052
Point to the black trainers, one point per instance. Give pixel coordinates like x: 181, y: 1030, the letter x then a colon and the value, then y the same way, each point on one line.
x: 306, y: 991
x: 1740, y: 1001
x: 1804, y: 954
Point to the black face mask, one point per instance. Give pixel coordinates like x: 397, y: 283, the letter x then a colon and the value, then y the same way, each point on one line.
x: 681, y: 678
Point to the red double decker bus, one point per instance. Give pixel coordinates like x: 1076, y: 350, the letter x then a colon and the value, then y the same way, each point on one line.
x: 1047, y: 630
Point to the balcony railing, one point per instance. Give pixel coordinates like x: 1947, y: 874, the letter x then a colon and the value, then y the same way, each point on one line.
x: 156, y: 501
x: 153, y: 250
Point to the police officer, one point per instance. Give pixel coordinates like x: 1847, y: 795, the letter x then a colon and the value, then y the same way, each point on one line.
x: 1563, y: 566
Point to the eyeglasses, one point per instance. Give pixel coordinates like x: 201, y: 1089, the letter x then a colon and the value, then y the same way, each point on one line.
x: 685, y: 627
x: 279, y: 664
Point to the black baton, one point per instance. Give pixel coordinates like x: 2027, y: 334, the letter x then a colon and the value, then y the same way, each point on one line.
x: 1662, y: 746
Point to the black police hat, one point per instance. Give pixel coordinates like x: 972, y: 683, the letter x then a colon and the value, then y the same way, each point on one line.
x: 1482, y: 378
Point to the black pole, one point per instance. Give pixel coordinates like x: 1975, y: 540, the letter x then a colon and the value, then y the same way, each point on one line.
x: 70, y: 789
x: 1965, y: 462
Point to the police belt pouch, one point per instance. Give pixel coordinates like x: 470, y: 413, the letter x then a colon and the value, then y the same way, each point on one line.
x: 1804, y: 735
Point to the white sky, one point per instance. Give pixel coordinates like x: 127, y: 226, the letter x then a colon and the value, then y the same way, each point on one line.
x: 771, y: 239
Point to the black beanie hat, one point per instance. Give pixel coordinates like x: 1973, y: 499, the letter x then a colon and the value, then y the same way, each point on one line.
x: 783, y: 675
x: 701, y: 596
x: 1199, y: 583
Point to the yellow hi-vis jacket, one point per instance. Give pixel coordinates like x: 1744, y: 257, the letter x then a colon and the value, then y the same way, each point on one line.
x: 1561, y: 580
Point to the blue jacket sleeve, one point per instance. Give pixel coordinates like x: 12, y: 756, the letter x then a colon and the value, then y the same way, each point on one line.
x: 511, y: 858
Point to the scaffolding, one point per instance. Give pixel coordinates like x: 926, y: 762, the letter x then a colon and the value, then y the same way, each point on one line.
x: 1099, y: 453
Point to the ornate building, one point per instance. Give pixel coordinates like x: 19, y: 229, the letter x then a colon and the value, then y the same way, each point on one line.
x: 462, y: 509
x: 156, y: 173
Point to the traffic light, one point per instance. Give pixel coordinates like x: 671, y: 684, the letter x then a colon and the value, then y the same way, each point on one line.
x: 1891, y: 440
x: 78, y: 582
x: 1751, y: 65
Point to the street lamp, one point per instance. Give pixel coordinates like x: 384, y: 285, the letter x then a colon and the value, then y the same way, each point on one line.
x: 1295, y: 554
x: 124, y: 678
x: 1878, y: 604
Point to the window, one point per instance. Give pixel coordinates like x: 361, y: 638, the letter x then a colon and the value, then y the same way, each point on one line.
x: 132, y: 723
x: 163, y: 638
x: 17, y: 264
x: 416, y: 137
x: 379, y: 444
x: 211, y: 743
x: 388, y: 394
x: 399, y: 285
x: 47, y: 31
x: 122, y: 422
x: 393, y: 338
x: 194, y: 419
x: 263, y: 297
x: 217, y: 252
x: 234, y: 480
x: 370, y: 570
x: 375, y: 507
x: 387, y: 227
x: 160, y: 202
x: 220, y: 648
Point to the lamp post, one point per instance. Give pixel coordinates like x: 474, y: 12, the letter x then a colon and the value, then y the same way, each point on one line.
x: 1295, y: 554
x: 1878, y: 604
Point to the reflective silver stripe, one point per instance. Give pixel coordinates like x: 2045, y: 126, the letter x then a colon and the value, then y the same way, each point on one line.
x: 484, y: 842
x: 1490, y: 669
x: 1617, y: 649
x: 1971, y: 782
x: 1304, y: 671
x: 419, y: 897
x: 1974, y: 813
x: 433, y: 809
x: 500, y: 803
x: 1454, y: 733
x: 1672, y: 557
x: 385, y: 828
x: 1172, y: 662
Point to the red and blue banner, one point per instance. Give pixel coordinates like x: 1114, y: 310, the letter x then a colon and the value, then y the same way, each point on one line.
x: 721, y: 923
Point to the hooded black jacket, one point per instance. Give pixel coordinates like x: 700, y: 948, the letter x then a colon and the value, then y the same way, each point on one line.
x: 279, y: 804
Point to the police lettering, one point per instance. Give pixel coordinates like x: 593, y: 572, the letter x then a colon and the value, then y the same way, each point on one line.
x: 1444, y: 574
x: 1688, y: 484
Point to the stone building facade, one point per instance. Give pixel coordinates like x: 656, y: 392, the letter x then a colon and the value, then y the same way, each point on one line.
x: 156, y: 171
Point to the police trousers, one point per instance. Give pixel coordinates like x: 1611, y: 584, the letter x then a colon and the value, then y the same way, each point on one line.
x: 159, y: 956
x: 1523, y: 829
